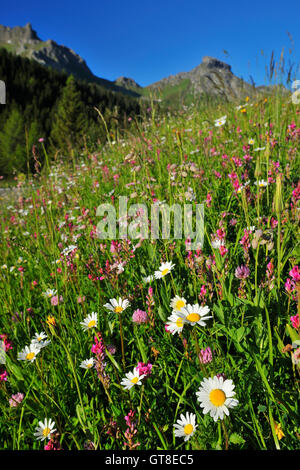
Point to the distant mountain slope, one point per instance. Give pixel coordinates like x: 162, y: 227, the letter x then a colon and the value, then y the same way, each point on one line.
x: 212, y: 77
x: 25, y: 42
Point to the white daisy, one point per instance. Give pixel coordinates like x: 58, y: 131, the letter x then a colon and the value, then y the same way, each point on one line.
x: 175, y: 323
x: 117, y: 306
x: 91, y: 321
x: 131, y: 379
x: 49, y: 293
x: 164, y: 269
x: 148, y: 279
x: 193, y: 314
x: 39, y: 338
x: 87, y: 364
x: 243, y: 186
x: 251, y: 141
x: 44, y: 429
x: 215, y: 396
x: 217, y: 242
x: 177, y: 303
x: 221, y: 121
x: 261, y: 183
x: 29, y: 353
x: 69, y: 249
x: 185, y: 426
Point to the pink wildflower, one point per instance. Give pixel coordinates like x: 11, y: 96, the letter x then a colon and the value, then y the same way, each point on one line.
x: 295, y: 321
x: 295, y: 274
x: 139, y: 316
x: 16, y: 399
x: 205, y: 355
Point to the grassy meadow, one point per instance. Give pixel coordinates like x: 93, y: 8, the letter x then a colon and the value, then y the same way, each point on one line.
x: 107, y: 344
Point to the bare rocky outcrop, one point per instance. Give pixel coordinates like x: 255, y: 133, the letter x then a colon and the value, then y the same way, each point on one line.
x: 211, y: 77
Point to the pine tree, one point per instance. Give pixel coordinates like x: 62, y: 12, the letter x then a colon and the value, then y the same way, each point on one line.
x: 12, y: 145
x: 70, y: 122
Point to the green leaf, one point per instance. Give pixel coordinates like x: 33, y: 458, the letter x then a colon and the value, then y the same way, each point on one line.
x: 235, y: 438
x: 161, y: 314
x: 261, y: 408
x: 292, y: 333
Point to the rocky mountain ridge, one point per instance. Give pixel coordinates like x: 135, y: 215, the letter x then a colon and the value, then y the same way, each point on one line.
x: 211, y: 77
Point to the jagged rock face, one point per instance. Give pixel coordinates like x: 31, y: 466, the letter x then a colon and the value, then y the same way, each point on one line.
x: 26, y: 43
x: 212, y: 77
x: 62, y: 58
x: 18, y: 33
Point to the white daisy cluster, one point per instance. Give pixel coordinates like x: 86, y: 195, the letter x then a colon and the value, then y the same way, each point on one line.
x: 216, y: 398
x: 184, y: 313
x: 38, y: 342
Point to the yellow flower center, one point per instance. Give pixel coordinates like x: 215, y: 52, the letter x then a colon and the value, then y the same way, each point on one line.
x: 30, y: 356
x: 179, y: 304
x: 89, y: 366
x: 165, y: 271
x: 193, y: 317
x: 188, y: 429
x: 179, y: 322
x: 217, y: 397
x: 46, y: 431
x: 91, y: 324
x: 134, y: 380
x: 118, y: 309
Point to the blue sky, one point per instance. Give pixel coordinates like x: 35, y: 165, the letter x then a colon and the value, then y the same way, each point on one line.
x: 150, y: 40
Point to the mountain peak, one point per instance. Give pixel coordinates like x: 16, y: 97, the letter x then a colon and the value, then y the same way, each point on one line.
x: 211, y: 62
x: 126, y: 82
x: 18, y: 33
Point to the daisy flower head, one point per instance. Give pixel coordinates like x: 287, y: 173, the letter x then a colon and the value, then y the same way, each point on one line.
x: 40, y: 339
x: 215, y: 396
x: 29, y: 353
x: 91, y: 321
x: 177, y: 303
x: 217, y: 243
x: 175, y: 323
x: 221, y: 121
x: 49, y: 293
x: 44, y: 429
x: 132, y: 378
x: 148, y: 279
x: 185, y: 426
x: 117, y: 306
x: 164, y: 269
x: 195, y: 314
x: 261, y: 183
x: 88, y: 363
